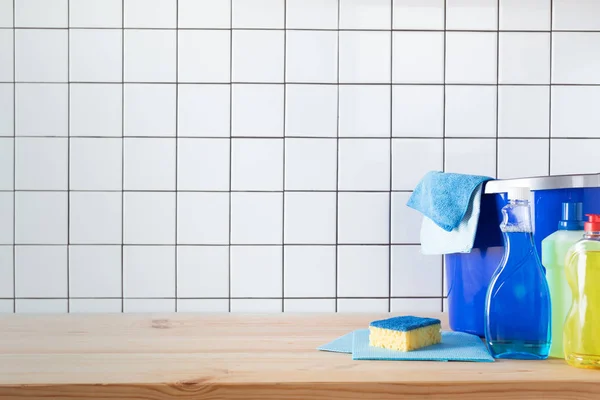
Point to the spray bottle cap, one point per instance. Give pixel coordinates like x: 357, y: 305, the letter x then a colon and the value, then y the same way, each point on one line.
x: 572, y: 217
x: 518, y: 193
x: 593, y: 223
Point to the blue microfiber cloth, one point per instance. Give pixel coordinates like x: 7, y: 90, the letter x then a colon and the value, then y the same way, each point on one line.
x: 444, y: 197
x: 343, y: 344
x: 455, y: 346
x: 404, y: 323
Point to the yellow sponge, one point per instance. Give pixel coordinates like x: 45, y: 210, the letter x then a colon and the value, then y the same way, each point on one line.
x: 405, y: 333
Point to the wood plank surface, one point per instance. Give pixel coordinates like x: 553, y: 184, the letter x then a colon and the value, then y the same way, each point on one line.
x: 237, y: 356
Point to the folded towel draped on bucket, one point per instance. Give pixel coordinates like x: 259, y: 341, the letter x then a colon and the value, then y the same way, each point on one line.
x: 451, y: 204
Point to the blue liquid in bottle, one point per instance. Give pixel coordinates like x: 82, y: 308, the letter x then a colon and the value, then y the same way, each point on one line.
x: 517, y: 310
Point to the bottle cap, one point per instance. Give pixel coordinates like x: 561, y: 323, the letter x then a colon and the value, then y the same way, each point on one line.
x: 593, y: 223
x: 518, y: 193
x: 572, y: 217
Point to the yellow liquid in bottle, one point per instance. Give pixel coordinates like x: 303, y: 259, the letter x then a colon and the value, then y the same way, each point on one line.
x: 582, y: 326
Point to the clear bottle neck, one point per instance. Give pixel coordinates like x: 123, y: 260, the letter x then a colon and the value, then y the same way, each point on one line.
x: 593, y: 235
x: 517, y: 217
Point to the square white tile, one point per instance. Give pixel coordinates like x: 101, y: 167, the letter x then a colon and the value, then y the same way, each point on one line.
x: 523, y: 111
x: 525, y: 15
x: 256, y: 271
x: 309, y: 271
x: 41, y: 109
x: 406, y: 222
x: 6, y: 214
x: 95, y: 164
x: 364, y: 57
x: 41, y: 55
x: 149, y: 164
x: 96, y: 110
x: 418, y: 110
x: 203, y: 271
x: 257, y: 56
x: 202, y: 218
x: 258, y: 13
x: 6, y: 55
x: 521, y: 158
x: 203, y: 164
x: 310, y: 218
x: 7, y: 106
x: 471, y: 111
x: 149, y: 218
x: 7, y: 163
x: 6, y: 13
x: 362, y: 305
x: 320, y: 173
x: 563, y: 162
x: 363, y: 271
x: 256, y: 306
x: 149, y: 305
x: 472, y: 15
x: 524, y: 57
x: 95, y: 13
x: 35, y: 306
x: 150, y: 13
x: 95, y: 271
x: 364, y: 110
x: 477, y: 47
x: 416, y: 305
x: 203, y: 110
x: 309, y: 305
x: 413, y: 158
x: 257, y: 164
x: 311, y: 110
x: 365, y: 14
x: 311, y: 56
x: 573, y: 111
x: 414, y: 274
x: 149, y: 110
x: 95, y: 305
x: 203, y: 305
x: 256, y: 218
x: 257, y: 110
x: 364, y: 164
x: 41, y: 163
x: 150, y: 55
x: 312, y: 14
x: 204, y: 13
x: 576, y: 15
x: 149, y: 271
x: 41, y: 271
x: 41, y: 13
x: 419, y: 14
x: 95, y: 55
x: 418, y: 57
x: 363, y: 218
x: 6, y: 272
x: 7, y: 306
x: 575, y: 57
x: 95, y: 218
x: 471, y: 156
x: 203, y: 56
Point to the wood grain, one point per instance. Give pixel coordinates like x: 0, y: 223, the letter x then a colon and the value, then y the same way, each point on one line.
x: 262, y: 357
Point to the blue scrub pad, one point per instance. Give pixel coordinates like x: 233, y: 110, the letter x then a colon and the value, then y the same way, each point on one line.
x: 404, y: 323
x: 343, y: 344
x: 455, y: 346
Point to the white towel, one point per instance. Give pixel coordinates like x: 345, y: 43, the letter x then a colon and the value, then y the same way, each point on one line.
x: 435, y: 240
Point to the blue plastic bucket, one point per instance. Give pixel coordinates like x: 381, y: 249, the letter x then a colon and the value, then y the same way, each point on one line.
x: 468, y: 275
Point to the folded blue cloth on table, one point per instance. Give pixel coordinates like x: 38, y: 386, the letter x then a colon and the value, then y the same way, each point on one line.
x: 343, y: 344
x: 445, y: 197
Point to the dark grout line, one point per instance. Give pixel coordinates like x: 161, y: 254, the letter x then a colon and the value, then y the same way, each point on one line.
x: 281, y: 83
x: 337, y: 158
x: 444, y: 115
x: 176, y: 149
x: 283, y: 129
x: 497, y: 83
x: 230, y: 148
x: 122, y: 156
x: 550, y: 95
x: 14, y: 161
x: 391, y: 158
x: 68, y: 155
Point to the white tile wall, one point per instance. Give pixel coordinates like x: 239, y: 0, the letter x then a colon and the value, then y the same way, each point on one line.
x: 257, y: 155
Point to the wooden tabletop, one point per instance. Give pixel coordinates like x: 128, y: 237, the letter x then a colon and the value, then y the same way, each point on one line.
x: 236, y: 356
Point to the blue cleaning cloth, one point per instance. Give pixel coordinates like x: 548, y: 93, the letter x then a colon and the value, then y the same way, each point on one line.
x: 404, y: 323
x: 455, y: 346
x: 343, y: 344
x: 445, y: 197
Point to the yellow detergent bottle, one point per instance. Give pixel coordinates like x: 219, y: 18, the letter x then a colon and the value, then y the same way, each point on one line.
x: 554, y: 252
x: 582, y: 326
